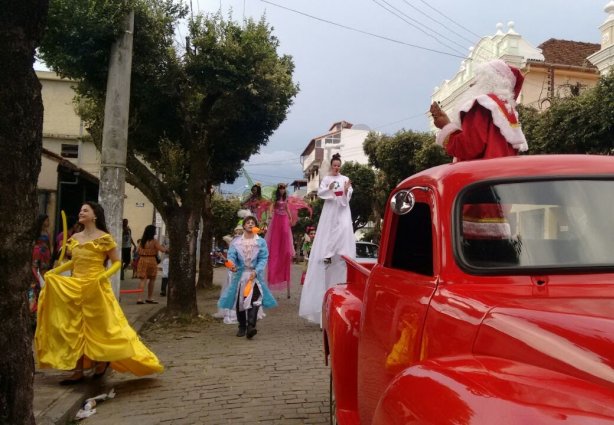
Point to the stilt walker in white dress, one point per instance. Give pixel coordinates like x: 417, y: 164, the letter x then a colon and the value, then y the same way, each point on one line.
x: 335, y: 238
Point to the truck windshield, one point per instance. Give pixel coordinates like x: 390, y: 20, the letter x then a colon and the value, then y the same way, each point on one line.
x: 536, y: 224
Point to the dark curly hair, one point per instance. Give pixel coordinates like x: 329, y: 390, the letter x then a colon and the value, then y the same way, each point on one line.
x: 336, y: 157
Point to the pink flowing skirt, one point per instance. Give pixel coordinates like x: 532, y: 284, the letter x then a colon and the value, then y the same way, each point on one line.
x: 281, y: 251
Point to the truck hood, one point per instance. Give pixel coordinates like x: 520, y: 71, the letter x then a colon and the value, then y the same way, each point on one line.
x: 572, y: 335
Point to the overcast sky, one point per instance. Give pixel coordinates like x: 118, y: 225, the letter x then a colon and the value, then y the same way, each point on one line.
x: 347, y: 75
x: 358, y: 62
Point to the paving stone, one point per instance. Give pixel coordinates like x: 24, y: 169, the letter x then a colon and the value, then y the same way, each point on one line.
x: 213, y: 377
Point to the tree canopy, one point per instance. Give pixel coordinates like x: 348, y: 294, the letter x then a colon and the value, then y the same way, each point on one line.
x: 363, y: 182
x: 195, y: 115
x: 578, y: 124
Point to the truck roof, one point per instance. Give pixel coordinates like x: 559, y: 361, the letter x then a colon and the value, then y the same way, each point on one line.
x: 461, y: 173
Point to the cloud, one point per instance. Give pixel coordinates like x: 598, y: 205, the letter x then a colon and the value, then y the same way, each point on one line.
x: 268, y: 168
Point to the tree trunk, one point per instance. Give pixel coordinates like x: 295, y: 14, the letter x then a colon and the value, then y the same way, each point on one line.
x: 21, y: 129
x: 183, y: 233
x: 205, y: 275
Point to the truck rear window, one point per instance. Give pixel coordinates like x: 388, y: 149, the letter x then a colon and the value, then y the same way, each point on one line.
x: 553, y: 224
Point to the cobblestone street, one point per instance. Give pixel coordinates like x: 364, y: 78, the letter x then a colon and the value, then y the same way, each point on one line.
x: 214, y: 377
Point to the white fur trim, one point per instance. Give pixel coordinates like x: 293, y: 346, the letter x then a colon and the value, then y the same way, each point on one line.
x: 513, y: 135
x: 486, y: 230
x: 445, y: 132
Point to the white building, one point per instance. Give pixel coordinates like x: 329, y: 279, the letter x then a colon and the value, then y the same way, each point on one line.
x: 604, y: 58
x: 555, y: 68
x: 343, y: 138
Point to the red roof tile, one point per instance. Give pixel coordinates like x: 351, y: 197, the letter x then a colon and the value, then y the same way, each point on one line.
x: 566, y: 52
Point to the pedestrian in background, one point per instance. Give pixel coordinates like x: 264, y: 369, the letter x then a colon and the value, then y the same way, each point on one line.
x: 229, y: 315
x: 164, y: 265
x: 41, y: 263
x: 135, y: 258
x: 307, y: 243
x: 127, y: 244
x: 148, y: 263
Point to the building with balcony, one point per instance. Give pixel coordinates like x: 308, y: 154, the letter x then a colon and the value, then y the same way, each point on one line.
x: 342, y: 137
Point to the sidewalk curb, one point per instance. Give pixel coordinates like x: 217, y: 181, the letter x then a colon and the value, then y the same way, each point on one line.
x: 64, y: 409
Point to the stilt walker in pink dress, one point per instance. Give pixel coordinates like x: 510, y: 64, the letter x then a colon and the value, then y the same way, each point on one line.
x: 280, y: 242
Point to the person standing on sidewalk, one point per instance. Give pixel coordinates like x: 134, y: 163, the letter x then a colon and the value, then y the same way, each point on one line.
x: 80, y: 322
x: 164, y: 283
x: 248, y: 291
x: 127, y: 244
x: 148, y: 263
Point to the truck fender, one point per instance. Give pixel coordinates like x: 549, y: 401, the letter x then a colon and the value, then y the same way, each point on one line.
x: 342, y: 311
x: 489, y: 390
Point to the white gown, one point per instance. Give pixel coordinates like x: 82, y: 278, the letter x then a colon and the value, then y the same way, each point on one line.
x: 334, y: 237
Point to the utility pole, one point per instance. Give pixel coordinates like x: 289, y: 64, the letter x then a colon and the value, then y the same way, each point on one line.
x: 115, y: 137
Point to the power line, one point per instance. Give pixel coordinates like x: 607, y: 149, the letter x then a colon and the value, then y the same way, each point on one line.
x: 361, y: 31
x: 417, y: 25
x: 437, y: 22
x: 450, y: 19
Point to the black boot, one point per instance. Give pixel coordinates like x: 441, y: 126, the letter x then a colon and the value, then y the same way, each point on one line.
x: 252, y: 316
x: 242, y: 322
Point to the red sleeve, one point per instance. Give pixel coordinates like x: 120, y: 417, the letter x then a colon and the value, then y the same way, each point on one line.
x: 470, y: 142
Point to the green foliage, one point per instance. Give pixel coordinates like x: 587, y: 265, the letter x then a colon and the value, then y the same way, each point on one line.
x: 529, y: 118
x: 224, y: 215
x: 363, y: 182
x: 253, y: 84
x: 582, y: 124
x: 215, y: 105
x: 397, y: 157
x: 403, y: 154
x: 305, y: 220
x: 173, y: 163
x: 86, y: 29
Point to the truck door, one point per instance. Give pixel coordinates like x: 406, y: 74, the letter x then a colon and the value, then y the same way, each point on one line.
x: 396, y: 301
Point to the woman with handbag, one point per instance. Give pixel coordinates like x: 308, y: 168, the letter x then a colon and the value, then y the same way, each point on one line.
x: 147, y: 268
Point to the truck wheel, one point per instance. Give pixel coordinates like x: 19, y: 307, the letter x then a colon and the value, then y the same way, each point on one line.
x: 332, y: 402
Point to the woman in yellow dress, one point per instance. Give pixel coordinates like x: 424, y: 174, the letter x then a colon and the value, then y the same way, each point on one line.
x: 80, y: 321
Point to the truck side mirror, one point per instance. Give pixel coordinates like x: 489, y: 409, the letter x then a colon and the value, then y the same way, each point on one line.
x: 402, y: 202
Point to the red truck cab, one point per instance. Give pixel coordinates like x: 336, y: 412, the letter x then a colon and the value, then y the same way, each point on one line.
x: 492, y: 300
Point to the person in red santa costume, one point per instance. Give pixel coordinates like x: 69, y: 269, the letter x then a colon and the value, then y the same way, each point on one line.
x: 486, y: 124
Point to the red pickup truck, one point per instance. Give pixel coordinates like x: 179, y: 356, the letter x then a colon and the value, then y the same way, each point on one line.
x: 492, y: 300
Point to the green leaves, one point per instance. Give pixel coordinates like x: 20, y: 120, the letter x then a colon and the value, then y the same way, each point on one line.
x: 583, y: 124
x: 79, y: 36
x: 403, y: 154
x: 363, y: 182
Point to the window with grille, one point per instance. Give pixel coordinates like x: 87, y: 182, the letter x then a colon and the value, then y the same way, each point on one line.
x: 70, y: 150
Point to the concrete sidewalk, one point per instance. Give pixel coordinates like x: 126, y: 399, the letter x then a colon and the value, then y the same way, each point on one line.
x: 56, y: 404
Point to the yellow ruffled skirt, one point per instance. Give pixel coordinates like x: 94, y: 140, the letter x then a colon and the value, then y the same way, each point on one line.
x: 80, y: 316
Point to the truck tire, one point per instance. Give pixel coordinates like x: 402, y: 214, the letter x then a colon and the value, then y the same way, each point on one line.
x: 332, y: 402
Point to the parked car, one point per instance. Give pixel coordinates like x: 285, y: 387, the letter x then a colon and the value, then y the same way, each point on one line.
x: 366, y: 252
x: 491, y: 302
